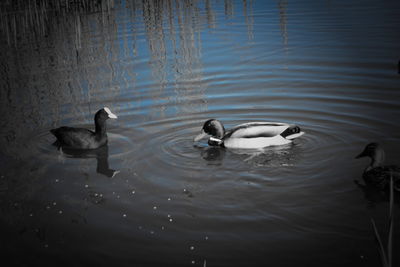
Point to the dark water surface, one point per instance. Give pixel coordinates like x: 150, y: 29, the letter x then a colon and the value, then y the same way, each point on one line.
x: 152, y: 197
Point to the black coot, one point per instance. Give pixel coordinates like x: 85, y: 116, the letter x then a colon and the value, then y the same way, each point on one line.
x: 80, y: 138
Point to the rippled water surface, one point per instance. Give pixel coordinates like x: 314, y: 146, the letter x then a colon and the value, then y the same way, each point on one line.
x: 154, y: 198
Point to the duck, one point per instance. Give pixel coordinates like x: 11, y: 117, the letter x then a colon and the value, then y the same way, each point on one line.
x: 377, y: 174
x: 251, y: 135
x: 81, y: 138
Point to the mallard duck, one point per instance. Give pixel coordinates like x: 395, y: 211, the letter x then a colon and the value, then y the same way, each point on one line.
x: 376, y: 173
x: 252, y: 135
x: 81, y: 138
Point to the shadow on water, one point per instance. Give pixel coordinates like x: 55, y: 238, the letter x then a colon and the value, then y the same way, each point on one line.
x: 100, y: 154
x: 375, y: 196
x: 278, y: 156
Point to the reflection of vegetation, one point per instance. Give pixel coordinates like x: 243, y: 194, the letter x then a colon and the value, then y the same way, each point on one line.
x: 62, y: 59
x: 249, y: 18
x: 282, y: 5
x: 386, y: 256
x: 22, y: 20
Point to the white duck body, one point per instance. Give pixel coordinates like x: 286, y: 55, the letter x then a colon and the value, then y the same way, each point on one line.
x: 255, y: 135
x: 252, y: 135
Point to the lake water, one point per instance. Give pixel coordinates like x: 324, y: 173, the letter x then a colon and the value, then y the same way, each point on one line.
x: 154, y: 198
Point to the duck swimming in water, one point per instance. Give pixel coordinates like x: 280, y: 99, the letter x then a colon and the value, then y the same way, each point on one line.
x: 376, y: 173
x: 80, y: 138
x: 252, y: 135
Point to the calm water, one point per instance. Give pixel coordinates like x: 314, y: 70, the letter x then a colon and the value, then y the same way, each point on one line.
x: 152, y: 197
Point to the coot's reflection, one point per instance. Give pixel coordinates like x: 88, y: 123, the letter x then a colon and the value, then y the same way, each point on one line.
x: 101, y: 155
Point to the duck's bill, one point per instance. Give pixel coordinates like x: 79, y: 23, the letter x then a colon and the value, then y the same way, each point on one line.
x: 200, y: 136
x: 110, y: 114
x: 361, y: 155
x: 294, y: 136
x: 115, y: 173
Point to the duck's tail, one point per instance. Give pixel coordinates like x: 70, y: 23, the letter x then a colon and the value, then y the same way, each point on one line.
x: 292, y: 132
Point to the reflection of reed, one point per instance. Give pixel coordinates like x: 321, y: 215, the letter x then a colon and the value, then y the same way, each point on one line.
x: 248, y: 14
x: 27, y: 20
x: 187, y: 66
x: 181, y: 18
x: 60, y: 57
x: 228, y: 7
x: 153, y: 22
x: 282, y: 5
x: 41, y: 75
x: 210, y: 14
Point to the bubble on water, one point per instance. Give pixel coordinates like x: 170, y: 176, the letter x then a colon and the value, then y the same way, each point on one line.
x: 101, y: 195
x: 193, y: 262
x: 133, y: 192
x: 169, y: 215
x: 169, y: 199
x: 152, y: 232
x: 154, y: 208
x: 191, y: 247
x: 54, y: 203
x: 184, y: 189
x: 170, y: 220
x: 162, y: 228
x: 113, y: 193
x: 60, y: 212
x: 95, y: 194
x: 48, y: 207
x: 124, y: 215
x: 57, y: 180
x: 206, y: 238
x: 86, y: 185
x: 31, y: 214
x: 118, y: 196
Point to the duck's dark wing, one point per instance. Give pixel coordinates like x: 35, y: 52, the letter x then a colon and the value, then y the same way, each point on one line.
x: 380, y: 177
x: 75, y: 137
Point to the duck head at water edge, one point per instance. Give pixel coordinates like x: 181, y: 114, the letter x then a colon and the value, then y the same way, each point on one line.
x: 214, y: 129
x: 376, y: 173
x: 252, y: 135
x: 81, y: 138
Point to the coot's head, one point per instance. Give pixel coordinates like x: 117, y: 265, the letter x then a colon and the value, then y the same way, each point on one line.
x: 373, y: 151
x: 104, y: 114
x: 213, y: 128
